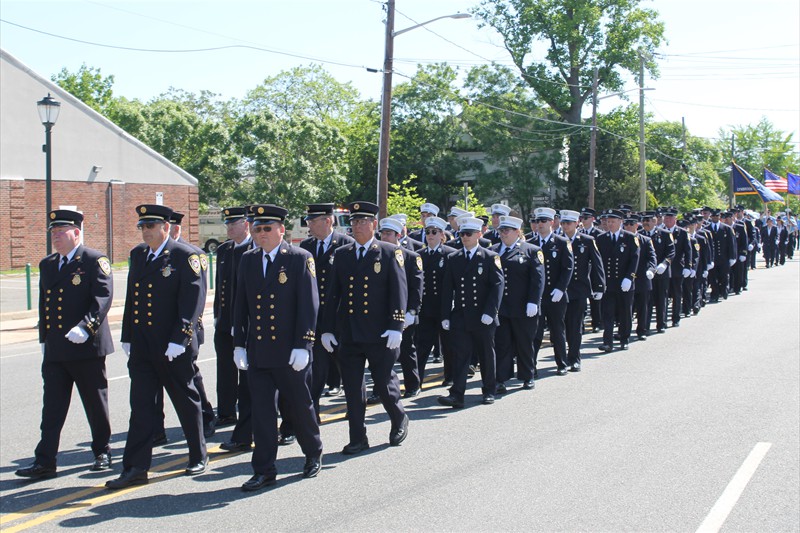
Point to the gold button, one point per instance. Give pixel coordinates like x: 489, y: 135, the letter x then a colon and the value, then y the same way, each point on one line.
x: 60, y: 326
x: 365, y: 295
x: 149, y: 323
x: 258, y: 328
x: 135, y: 311
x: 351, y: 312
x: 149, y: 314
x: 272, y: 296
x: 366, y: 311
x: 273, y: 337
x: 272, y: 328
x: 46, y: 308
x: 350, y: 294
x: 258, y: 317
x: 135, y: 285
x: 366, y: 286
x: 59, y: 308
x: 60, y: 290
x: 351, y: 278
x: 60, y: 298
x: 135, y: 320
x: 149, y: 304
x: 136, y: 293
x: 272, y: 317
x: 135, y: 302
x: 149, y: 295
x: 59, y: 317
x: 48, y: 291
x: 258, y: 338
x: 258, y: 296
x: 149, y: 285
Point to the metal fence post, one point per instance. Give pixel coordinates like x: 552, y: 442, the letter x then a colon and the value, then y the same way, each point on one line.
x: 28, y: 283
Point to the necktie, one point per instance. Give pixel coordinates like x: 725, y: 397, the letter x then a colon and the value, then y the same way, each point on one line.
x: 267, y: 263
x: 150, y: 258
x: 614, y: 238
x: 469, y: 255
x: 62, y: 263
x: 320, y: 249
x: 361, y: 252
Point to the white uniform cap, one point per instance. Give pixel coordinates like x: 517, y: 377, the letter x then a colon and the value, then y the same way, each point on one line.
x: 500, y: 209
x: 470, y: 223
x: 457, y: 212
x: 429, y: 208
x: 391, y: 224
x: 436, y: 222
x: 465, y: 216
x: 569, y: 216
x: 402, y: 217
x: 544, y: 212
x: 510, y: 222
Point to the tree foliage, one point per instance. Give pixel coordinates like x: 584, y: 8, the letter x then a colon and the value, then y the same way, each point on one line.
x: 88, y: 85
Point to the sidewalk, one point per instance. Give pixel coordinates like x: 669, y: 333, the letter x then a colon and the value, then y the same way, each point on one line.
x: 20, y: 326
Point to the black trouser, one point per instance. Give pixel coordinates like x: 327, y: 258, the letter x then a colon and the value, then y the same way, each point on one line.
x: 573, y: 322
x: 293, y: 387
x: 719, y: 283
x: 89, y: 377
x: 430, y: 335
x: 408, y: 360
x: 643, y: 311
x: 737, y: 275
x: 514, y: 337
x: 617, y: 307
x: 227, y: 374
x: 468, y: 344
x: 321, y: 365
x: 352, y: 358
x: 243, y: 430
x: 149, y: 373
x: 554, y: 313
x: 205, y: 405
x: 676, y: 293
x: 661, y: 287
x: 687, y: 298
x: 597, y: 320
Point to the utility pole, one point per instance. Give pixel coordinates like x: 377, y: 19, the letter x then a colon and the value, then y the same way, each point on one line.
x: 733, y: 151
x: 386, y: 112
x: 642, y: 175
x: 593, y: 143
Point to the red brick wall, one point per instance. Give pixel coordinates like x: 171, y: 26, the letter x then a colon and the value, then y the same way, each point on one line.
x: 24, y: 222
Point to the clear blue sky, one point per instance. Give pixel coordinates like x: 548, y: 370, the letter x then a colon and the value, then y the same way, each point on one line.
x: 728, y: 62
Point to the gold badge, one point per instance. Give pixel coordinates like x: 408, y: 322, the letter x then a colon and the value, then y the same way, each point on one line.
x: 52, y: 216
x: 260, y: 210
x: 497, y: 262
x: 76, y: 280
x: 227, y: 212
x: 697, y: 246
x: 569, y: 246
x: 377, y: 267
x: 398, y: 254
x: 194, y: 263
x: 312, y: 267
x: 105, y: 265
x: 166, y: 271
x: 282, y: 278
x: 143, y: 210
x: 540, y: 255
x: 636, y: 240
x: 671, y: 237
x: 356, y: 207
x: 419, y: 262
x: 204, y: 261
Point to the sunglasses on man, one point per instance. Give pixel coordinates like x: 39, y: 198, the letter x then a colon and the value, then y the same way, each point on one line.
x: 431, y: 231
x: 148, y: 225
x: 467, y: 232
x: 259, y: 229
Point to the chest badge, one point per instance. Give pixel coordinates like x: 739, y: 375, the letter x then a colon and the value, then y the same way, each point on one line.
x: 555, y: 254
x: 377, y: 267
x: 166, y: 271
x: 282, y: 278
x: 76, y: 280
x: 441, y: 262
x: 581, y: 248
x: 622, y: 248
x: 480, y: 270
x: 521, y: 260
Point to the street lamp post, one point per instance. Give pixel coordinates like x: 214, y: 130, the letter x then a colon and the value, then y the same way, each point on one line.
x: 48, y: 109
x: 386, y: 99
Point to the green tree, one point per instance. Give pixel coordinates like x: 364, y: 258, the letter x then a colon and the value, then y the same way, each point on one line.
x: 403, y: 198
x: 88, y: 85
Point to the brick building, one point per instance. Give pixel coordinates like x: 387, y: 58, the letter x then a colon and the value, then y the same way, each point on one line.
x: 97, y: 169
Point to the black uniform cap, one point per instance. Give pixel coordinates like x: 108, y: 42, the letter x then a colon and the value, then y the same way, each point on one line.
x: 65, y: 217
x: 362, y: 209
x: 267, y: 213
x: 318, y: 210
x: 176, y: 218
x: 232, y: 214
x: 153, y: 213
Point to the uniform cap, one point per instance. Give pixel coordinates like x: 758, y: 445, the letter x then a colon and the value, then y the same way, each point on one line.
x: 436, y: 222
x: 470, y: 223
x: 65, y: 217
x: 510, y: 222
x: 176, y: 218
x: 569, y: 216
x: 268, y: 213
x: 153, y: 213
x: 614, y: 213
x: 429, y: 208
x: 390, y: 223
x: 458, y: 212
x: 362, y: 209
x: 544, y: 212
x: 501, y: 209
x: 402, y: 217
x: 233, y: 214
x: 318, y: 210
x: 588, y: 211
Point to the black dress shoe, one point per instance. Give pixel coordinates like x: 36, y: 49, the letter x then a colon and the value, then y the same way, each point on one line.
x: 130, y: 477
x: 101, y: 462
x: 488, y: 399
x: 501, y: 388
x: 373, y: 399
x: 312, y: 467
x: 258, y: 481
x: 396, y: 436
x: 623, y: 346
x: 450, y: 401
x: 225, y: 421
x: 160, y: 439
x: 471, y: 371
x: 529, y: 384
x: 286, y: 440
x: 233, y: 446
x: 354, y: 448
x: 535, y: 374
x: 333, y: 391
x: 676, y: 323
x: 447, y: 383
x: 606, y: 348
x: 661, y: 330
x: 575, y: 368
x: 561, y: 372
x: 196, y: 468
x: 411, y: 393
x: 37, y: 471
x: 209, y: 429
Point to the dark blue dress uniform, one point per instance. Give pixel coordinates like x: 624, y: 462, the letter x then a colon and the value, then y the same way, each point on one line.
x: 324, y: 261
x: 79, y: 294
x: 620, y: 261
x: 682, y: 260
x: 227, y: 374
x: 272, y: 316
x: 429, y: 330
x: 161, y: 307
x: 365, y: 298
x: 523, y: 283
x: 724, y: 252
x: 740, y: 267
x: 559, y: 264
x: 588, y: 277
x: 769, y: 246
x: 664, y: 246
x: 472, y: 288
x: 408, y: 349
x: 643, y: 288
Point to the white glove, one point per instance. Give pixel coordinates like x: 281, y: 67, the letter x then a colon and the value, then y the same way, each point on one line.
x: 711, y: 266
x: 597, y: 296
x: 626, y: 285
x: 77, y: 335
x: 650, y: 274
x: 409, y: 321
x: 705, y: 273
x: 686, y: 272
x: 557, y: 295
x: 661, y: 268
x: 693, y: 274
x: 215, y: 322
x: 531, y: 309
x: 742, y: 258
x: 731, y: 262
x: 126, y: 347
x: 41, y: 345
x: 446, y: 325
x: 299, y: 358
x: 328, y: 341
x: 486, y: 320
x: 393, y: 338
x: 750, y: 247
x: 174, y: 350
x: 240, y: 358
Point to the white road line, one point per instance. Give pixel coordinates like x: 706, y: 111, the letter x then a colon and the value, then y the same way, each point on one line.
x: 719, y: 513
x: 198, y: 362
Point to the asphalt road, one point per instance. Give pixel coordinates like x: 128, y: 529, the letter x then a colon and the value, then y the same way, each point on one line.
x: 656, y: 438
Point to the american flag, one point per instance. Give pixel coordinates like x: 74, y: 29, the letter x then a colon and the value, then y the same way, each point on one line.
x: 774, y: 182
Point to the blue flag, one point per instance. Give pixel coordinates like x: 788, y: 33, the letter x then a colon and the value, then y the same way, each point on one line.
x: 793, y: 181
x: 744, y: 183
